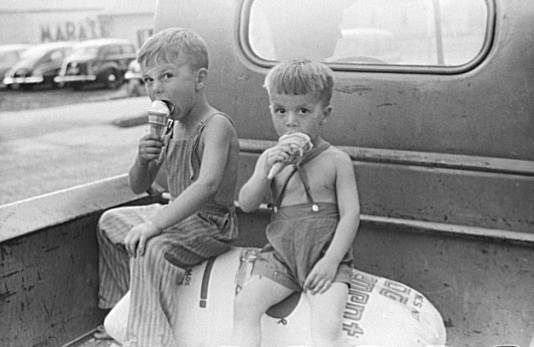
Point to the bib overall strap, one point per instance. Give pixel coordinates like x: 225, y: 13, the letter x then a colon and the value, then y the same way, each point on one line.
x: 195, y: 157
x: 167, y: 136
x: 303, y: 177
x: 280, y: 197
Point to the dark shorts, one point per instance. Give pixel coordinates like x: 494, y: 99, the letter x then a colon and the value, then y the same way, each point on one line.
x: 268, y: 265
x: 298, y: 238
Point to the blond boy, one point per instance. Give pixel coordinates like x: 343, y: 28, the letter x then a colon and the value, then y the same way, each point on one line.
x: 200, y: 159
x: 315, y: 215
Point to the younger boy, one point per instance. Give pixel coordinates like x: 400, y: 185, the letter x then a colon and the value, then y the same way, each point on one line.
x: 315, y: 213
x: 200, y: 158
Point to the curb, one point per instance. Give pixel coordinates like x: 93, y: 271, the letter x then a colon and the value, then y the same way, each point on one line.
x: 131, y: 121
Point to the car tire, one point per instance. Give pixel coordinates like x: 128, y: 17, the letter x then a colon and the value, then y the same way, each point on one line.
x: 48, y: 82
x: 112, y: 79
x: 77, y: 85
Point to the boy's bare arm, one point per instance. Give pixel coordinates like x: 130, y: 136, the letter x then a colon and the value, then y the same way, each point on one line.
x: 217, y: 139
x: 348, y: 206
x: 144, y: 170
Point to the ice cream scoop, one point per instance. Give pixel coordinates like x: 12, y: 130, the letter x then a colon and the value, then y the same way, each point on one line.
x: 299, y: 143
x: 158, y: 113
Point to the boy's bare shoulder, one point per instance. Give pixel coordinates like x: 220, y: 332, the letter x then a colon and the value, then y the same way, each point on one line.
x: 220, y: 123
x: 220, y: 118
x: 337, y: 156
x: 332, y: 160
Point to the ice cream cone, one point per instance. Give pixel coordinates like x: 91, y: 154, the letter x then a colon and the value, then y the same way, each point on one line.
x: 158, y: 113
x: 299, y: 144
x: 157, y: 117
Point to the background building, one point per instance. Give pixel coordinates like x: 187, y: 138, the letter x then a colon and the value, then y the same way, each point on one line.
x: 36, y: 21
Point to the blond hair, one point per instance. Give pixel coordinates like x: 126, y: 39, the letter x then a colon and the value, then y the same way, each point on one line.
x: 173, y: 45
x: 301, y: 76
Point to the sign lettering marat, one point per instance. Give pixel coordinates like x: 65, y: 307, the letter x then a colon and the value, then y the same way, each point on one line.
x: 83, y: 29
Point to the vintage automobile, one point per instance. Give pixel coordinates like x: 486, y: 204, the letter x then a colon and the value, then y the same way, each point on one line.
x: 102, y: 61
x: 441, y: 141
x: 39, y: 65
x: 10, y: 55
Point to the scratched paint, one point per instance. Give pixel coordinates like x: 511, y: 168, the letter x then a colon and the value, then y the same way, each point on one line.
x: 48, y: 285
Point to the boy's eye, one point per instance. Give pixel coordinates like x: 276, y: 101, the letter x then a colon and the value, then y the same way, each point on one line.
x: 147, y: 79
x: 167, y: 75
x: 279, y: 110
x: 304, y: 110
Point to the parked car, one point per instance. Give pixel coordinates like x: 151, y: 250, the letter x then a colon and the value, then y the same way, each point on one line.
x: 10, y: 55
x: 102, y: 61
x: 136, y: 85
x: 39, y: 65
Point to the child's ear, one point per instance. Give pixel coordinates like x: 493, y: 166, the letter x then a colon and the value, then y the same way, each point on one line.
x: 327, y: 111
x: 202, y: 77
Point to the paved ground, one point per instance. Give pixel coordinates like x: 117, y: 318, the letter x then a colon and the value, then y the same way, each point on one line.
x: 46, y: 149
x: 41, y: 97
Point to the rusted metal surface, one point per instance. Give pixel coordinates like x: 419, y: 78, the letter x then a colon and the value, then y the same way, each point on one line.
x: 49, y: 279
x: 481, y: 286
x: 48, y: 263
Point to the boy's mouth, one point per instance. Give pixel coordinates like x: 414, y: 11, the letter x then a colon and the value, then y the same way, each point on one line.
x: 170, y: 106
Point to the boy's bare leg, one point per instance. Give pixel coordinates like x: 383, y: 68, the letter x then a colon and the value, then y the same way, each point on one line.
x: 327, y: 315
x: 251, y: 303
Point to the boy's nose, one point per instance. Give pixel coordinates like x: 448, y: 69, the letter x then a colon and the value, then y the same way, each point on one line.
x: 291, y: 120
x: 157, y: 88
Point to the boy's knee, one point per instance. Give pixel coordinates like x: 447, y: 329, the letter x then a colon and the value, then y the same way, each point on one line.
x: 105, y: 216
x: 103, y: 225
x: 105, y: 220
x: 154, y: 254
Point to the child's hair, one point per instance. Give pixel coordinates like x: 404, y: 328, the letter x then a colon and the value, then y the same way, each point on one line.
x: 301, y: 76
x: 171, y: 45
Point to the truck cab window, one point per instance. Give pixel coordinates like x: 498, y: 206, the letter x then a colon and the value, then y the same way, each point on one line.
x: 442, y: 33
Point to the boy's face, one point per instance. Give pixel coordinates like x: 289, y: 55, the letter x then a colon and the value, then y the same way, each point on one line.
x: 298, y: 113
x: 173, y: 83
